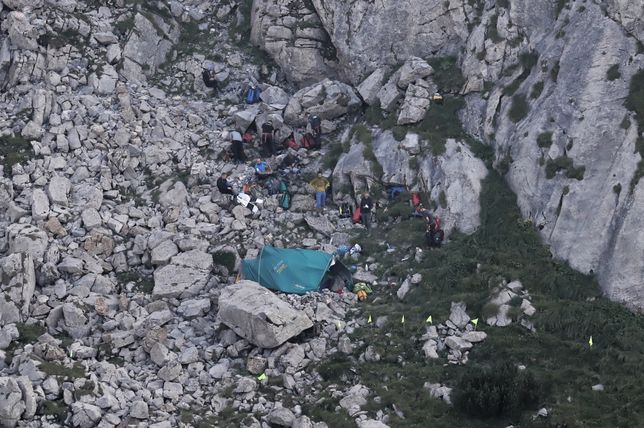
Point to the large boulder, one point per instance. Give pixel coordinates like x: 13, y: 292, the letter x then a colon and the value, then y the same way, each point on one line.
x: 17, y: 400
x: 18, y: 279
x: 58, y: 190
x: 185, y: 276
x: 149, y: 44
x: 257, y: 315
x: 370, y: 87
x: 327, y: 99
x: 26, y: 238
x: 415, y: 104
x: 173, y: 193
x: 39, y: 204
x: 294, y: 36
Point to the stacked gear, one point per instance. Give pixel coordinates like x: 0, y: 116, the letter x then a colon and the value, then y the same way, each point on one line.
x: 362, y: 290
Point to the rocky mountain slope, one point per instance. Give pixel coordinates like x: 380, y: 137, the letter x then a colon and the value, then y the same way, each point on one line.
x: 545, y: 85
x: 119, y: 258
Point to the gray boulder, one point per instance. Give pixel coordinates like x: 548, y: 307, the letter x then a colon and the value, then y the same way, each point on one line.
x: 413, y: 69
x: 370, y: 87
x: 415, y: 104
x: 458, y: 316
x: 327, y: 99
x: 257, y: 315
x: 275, y: 96
x: 185, y: 276
x: 17, y: 400
x: 173, y: 193
x: 320, y: 224
x: 58, y: 189
x: 281, y: 416
x: 25, y: 238
x: 18, y: 279
x: 39, y: 205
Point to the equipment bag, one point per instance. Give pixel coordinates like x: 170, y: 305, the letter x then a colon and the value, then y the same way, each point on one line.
x: 291, y: 143
x: 356, y: 215
x: 252, y: 95
x: 344, y: 210
x: 285, y: 201
x: 308, y: 142
x: 415, y: 199
x: 283, y: 186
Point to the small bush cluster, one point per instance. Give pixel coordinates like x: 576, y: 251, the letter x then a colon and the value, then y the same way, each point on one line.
x: 537, y: 89
x: 519, y: 108
x: 566, y: 164
x: 544, y: 140
x: 497, y: 391
x: 613, y: 72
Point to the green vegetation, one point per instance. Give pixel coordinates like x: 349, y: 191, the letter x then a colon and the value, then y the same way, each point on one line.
x: 566, y: 164
x: 225, y: 259
x: 333, y: 154
x: 554, y: 72
x: 617, y: 188
x: 28, y: 334
x: 57, y: 409
x: 362, y: 134
x: 14, y: 150
x: 613, y: 72
x: 560, y: 366
x: 491, y: 31
x: 496, y: 391
x: 561, y: 4
x: 519, y: 108
x: 626, y: 123
x: 442, y: 199
x: 635, y: 103
x: 544, y: 140
x: 63, y: 38
x: 447, y: 74
x: 55, y: 369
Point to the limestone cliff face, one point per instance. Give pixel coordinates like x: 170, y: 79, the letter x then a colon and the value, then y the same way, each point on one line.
x: 545, y: 86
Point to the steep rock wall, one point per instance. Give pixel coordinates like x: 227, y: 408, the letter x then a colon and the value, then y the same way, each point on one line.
x: 545, y: 86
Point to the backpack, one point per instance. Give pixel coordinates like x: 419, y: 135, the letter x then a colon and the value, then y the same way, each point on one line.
x: 344, y: 210
x: 283, y: 186
x: 285, y: 201
x: 291, y: 143
x: 252, y: 95
x: 439, y: 235
x: 356, y: 215
x: 415, y: 199
x: 308, y: 142
x: 248, y: 137
x: 273, y: 186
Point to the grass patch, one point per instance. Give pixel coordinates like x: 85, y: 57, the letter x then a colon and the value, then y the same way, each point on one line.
x: 613, y: 72
x: 497, y: 391
x: 537, y: 89
x: 447, y: 74
x: 491, y: 32
x: 635, y: 103
x: 57, y: 409
x: 519, y: 108
x: 55, y: 369
x: 544, y: 140
x: 332, y: 155
x: 14, y: 150
x: 554, y: 72
x: 553, y: 166
x: 468, y: 268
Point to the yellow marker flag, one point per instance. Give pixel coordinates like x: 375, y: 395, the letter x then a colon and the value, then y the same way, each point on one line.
x: 590, y: 341
x: 369, y: 320
x: 402, y: 320
x: 475, y: 321
x: 262, y: 377
x: 429, y: 320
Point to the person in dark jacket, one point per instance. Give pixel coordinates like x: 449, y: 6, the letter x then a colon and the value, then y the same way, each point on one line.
x: 208, y: 76
x: 366, y: 205
x: 224, y: 186
x: 237, y: 147
x: 268, y: 138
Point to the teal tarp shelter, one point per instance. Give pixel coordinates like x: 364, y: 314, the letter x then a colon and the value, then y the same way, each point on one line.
x: 293, y: 270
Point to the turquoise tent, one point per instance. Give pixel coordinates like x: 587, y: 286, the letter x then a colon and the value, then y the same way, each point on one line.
x: 296, y: 271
